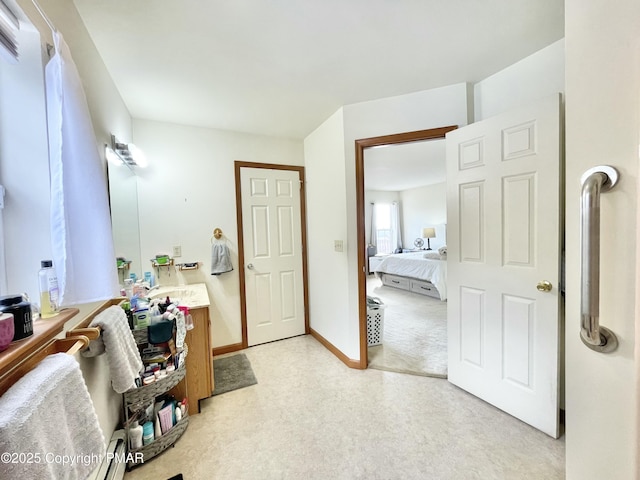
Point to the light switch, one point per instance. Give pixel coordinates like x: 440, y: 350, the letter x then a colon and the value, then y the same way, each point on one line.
x: 338, y: 246
x: 177, y: 251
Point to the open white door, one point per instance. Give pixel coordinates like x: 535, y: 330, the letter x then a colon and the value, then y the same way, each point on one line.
x: 503, y: 202
x: 273, y: 254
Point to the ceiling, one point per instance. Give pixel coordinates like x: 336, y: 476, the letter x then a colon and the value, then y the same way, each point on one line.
x: 281, y: 67
x: 405, y: 165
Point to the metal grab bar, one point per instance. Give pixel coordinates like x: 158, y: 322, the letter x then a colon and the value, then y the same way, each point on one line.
x: 594, y: 181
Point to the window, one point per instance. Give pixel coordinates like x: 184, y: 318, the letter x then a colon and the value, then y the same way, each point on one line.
x: 385, y: 227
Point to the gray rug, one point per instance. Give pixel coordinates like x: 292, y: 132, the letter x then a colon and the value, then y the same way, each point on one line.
x: 232, y: 373
x: 414, y: 334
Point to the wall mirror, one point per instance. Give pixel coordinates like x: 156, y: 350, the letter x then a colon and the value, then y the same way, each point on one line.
x: 123, y: 199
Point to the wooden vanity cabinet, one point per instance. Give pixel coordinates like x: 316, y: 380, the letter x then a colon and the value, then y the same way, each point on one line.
x: 199, y: 384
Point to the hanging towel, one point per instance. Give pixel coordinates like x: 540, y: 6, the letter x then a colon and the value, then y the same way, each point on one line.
x: 123, y: 356
x: 220, y: 258
x: 81, y: 237
x: 49, y: 412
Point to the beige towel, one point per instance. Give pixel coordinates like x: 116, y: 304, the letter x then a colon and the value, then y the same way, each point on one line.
x: 48, y: 414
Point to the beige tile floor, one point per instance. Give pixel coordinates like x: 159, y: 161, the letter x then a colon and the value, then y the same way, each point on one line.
x: 311, y: 417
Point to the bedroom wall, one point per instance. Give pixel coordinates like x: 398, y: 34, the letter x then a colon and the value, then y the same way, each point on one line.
x: 424, y: 207
x: 187, y: 190
x: 374, y: 196
x: 536, y: 76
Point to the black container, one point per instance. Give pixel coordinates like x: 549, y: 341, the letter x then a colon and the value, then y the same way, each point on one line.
x: 21, y: 310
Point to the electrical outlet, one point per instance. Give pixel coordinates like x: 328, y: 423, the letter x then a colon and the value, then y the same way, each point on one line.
x: 338, y: 246
x: 177, y: 251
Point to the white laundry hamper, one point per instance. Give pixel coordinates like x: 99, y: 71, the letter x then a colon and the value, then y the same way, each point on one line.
x: 375, y: 321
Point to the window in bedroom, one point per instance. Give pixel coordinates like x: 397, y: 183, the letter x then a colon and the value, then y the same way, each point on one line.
x: 386, y: 227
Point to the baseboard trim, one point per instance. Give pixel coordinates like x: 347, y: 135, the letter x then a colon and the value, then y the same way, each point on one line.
x: 226, y: 349
x: 349, y: 362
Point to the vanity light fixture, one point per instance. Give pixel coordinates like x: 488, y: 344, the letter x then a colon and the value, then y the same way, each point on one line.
x: 127, y: 153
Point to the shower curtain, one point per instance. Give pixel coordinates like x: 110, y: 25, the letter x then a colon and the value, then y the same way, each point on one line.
x: 81, y: 237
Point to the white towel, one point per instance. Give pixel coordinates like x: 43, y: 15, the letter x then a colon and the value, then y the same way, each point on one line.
x: 220, y: 258
x: 49, y: 413
x: 123, y: 356
x: 432, y: 256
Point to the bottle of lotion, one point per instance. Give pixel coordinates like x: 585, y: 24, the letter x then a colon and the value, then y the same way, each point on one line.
x: 135, y: 435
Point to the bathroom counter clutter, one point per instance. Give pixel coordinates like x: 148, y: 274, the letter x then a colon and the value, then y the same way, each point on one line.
x: 137, y: 401
x: 200, y: 381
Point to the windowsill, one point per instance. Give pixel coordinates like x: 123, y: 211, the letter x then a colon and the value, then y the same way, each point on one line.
x: 44, y: 330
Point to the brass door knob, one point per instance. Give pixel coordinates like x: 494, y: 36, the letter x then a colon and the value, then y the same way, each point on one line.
x: 544, y: 286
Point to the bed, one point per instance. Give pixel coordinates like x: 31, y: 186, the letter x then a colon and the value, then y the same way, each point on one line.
x: 412, y: 271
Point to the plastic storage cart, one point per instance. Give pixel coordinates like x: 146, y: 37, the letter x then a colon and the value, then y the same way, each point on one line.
x: 375, y: 321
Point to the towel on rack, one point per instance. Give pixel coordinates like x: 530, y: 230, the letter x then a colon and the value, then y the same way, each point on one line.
x: 49, y: 411
x: 95, y: 348
x: 123, y: 356
x: 220, y: 258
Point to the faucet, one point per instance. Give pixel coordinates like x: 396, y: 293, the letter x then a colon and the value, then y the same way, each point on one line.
x: 155, y: 287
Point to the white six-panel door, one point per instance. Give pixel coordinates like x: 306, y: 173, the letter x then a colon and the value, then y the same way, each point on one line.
x: 272, y: 234
x: 504, y: 214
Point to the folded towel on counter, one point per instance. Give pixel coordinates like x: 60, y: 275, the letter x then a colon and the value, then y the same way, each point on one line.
x: 49, y: 412
x: 123, y: 356
x: 220, y: 258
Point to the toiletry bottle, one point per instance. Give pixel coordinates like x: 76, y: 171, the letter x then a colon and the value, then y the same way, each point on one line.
x: 128, y: 287
x: 157, y: 428
x: 135, y: 435
x: 48, y: 289
x: 147, y: 433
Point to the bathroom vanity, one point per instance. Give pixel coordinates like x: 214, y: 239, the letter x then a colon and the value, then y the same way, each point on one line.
x: 200, y: 381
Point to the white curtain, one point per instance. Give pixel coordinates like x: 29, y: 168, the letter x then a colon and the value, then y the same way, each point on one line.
x: 373, y: 236
x: 82, y: 243
x: 396, y: 237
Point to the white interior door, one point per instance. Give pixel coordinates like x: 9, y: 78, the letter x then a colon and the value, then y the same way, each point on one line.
x: 272, y: 233
x: 503, y: 201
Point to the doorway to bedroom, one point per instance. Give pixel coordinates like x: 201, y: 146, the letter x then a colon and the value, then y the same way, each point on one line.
x: 403, y: 225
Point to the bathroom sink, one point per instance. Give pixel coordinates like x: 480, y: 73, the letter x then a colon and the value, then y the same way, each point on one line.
x: 192, y: 296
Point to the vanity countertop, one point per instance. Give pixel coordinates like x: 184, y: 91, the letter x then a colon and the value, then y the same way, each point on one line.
x: 193, y: 296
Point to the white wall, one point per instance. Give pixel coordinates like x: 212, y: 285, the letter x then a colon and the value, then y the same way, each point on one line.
x: 187, y: 191
x: 602, y: 127
x: 424, y: 207
x: 327, y: 221
x: 536, y: 76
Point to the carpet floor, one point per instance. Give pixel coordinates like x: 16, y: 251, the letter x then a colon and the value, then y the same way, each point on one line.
x: 232, y: 373
x: 414, y: 333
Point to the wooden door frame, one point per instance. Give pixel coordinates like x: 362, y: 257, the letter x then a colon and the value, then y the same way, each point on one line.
x: 239, y: 164
x: 361, y: 144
